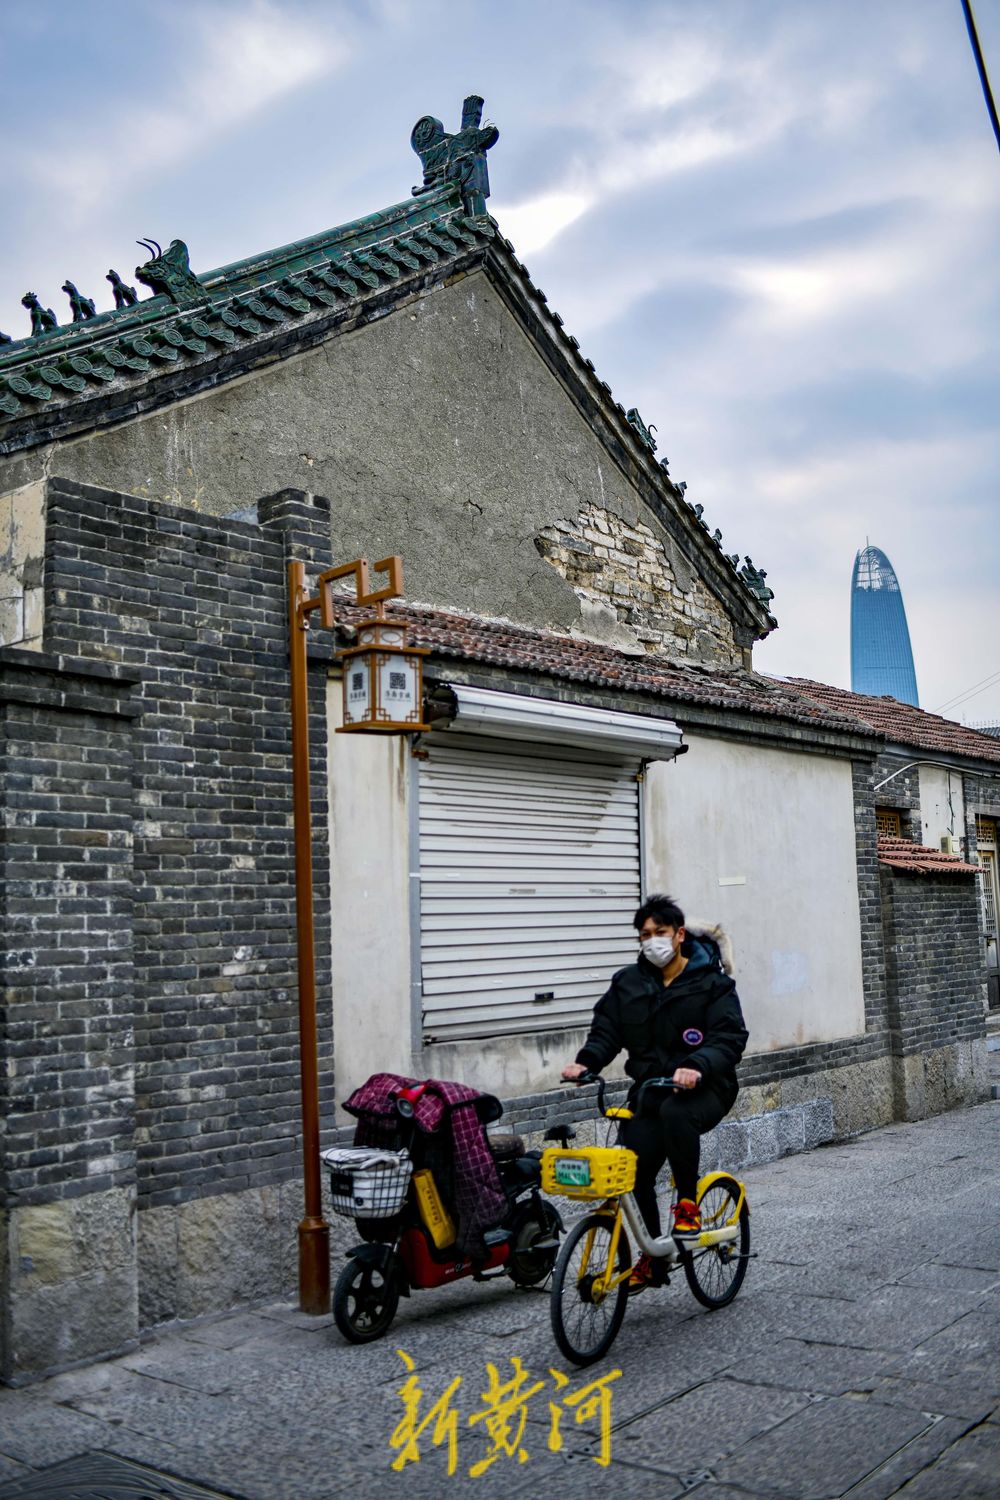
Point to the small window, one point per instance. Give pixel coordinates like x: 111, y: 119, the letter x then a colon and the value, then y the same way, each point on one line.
x: 887, y: 822
x: 986, y: 831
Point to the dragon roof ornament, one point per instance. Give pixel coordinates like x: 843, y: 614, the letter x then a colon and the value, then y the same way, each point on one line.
x: 459, y: 158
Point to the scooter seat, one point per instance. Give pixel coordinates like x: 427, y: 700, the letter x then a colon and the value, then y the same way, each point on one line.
x: 506, y: 1147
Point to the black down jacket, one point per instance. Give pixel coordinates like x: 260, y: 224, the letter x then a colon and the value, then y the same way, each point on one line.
x: 694, y: 1022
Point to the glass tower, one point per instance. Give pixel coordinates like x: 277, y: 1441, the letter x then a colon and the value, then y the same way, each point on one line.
x: 881, y: 658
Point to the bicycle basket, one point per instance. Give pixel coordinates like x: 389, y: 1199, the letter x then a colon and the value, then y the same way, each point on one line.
x: 366, y: 1182
x: 589, y: 1172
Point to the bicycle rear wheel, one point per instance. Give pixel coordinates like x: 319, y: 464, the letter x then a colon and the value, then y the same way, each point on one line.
x: 584, y: 1322
x: 716, y: 1274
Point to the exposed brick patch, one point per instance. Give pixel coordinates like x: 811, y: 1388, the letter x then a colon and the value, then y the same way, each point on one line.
x: 625, y: 569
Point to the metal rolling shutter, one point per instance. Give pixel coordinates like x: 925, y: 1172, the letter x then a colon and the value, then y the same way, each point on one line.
x: 529, y: 878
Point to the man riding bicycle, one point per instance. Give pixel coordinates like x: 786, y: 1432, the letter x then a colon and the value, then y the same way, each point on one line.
x: 677, y: 1014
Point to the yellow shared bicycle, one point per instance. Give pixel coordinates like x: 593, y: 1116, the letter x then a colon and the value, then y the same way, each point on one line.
x: 590, y: 1281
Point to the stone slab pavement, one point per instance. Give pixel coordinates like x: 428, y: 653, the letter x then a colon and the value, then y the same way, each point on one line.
x: 861, y: 1359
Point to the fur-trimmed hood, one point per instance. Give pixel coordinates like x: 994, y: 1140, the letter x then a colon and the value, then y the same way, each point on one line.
x: 696, y: 928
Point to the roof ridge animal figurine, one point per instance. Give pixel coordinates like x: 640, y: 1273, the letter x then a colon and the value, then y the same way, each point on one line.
x: 125, y: 296
x: 83, y: 307
x: 43, y: 319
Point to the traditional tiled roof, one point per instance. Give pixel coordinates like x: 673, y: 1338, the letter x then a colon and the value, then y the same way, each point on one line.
x: 208, y: 316
x: 217, y: 325
x: 902, y: 723
x: 476, y: 638
x: 917, y: 859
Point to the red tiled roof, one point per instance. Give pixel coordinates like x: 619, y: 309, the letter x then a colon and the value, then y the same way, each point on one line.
x: 475, y: 638
x: 902, y: 722
x: 918, y: 859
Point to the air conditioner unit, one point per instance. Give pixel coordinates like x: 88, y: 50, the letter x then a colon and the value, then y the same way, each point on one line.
x: 949, y: 844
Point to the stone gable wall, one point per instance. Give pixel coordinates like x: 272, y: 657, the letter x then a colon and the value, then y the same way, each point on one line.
x: 632, y: 593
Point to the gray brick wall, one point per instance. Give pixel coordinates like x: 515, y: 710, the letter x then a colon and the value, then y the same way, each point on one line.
x: 196, y: 609
x: 935, y: 965
x: 66, y: 1005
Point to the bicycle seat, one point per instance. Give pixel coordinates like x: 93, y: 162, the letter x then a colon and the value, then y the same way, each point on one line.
x: 562, y: 1133
x: 506, y: 1147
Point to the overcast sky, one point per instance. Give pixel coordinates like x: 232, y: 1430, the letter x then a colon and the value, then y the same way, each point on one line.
x: 773, y: 226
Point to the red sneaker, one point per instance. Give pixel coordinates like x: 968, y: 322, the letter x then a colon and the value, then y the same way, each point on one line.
x: 687, y: 1219
x: 642, y: 1275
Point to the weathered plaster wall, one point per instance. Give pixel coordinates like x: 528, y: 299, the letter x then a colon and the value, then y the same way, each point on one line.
x: 942, y: 805
x: 22, y: 560
x: 636, y: 589
x: 369, y: 807
x: 763, y: 842
x: 437, y: 433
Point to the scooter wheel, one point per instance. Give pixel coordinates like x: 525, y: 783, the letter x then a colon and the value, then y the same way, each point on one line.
x: 528, y: 1265
x: 364, y: 1301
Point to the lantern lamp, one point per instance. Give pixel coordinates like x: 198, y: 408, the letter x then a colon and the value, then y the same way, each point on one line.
x: 383, y: 680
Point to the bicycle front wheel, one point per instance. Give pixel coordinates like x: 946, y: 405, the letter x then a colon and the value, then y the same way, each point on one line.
x: 585, y: 1320
x: 716, y: 1274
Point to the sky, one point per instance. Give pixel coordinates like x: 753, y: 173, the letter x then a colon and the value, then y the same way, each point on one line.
x: 771, y: 224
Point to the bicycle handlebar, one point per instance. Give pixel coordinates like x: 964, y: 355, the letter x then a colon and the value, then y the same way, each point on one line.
x: 648, y: 1083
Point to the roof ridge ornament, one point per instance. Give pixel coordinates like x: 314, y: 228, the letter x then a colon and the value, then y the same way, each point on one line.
x: 83, y: 307
x: 169, y: 271
x: 43, y: 319
x: 633, y: 418
x: 459, y: 158
x: 124, y: 295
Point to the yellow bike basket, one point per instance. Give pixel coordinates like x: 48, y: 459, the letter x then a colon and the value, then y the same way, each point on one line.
x: 590, y: 1172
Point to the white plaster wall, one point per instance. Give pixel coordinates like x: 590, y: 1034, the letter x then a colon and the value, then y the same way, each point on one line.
x: 370, y: 913
x: 942, y: 804
x: 763, y: 841
x: 22, y: 551
x: 507, y: 1065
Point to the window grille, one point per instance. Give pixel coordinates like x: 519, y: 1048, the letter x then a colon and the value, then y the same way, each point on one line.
x: 986, y: 831
x: 988, y: 865
x: 887, y: 822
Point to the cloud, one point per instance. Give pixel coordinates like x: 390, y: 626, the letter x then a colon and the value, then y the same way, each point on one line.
x: 231, y: 66
x: 534, y: 224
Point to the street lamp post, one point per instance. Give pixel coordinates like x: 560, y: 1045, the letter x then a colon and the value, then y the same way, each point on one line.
x: 383, y: 693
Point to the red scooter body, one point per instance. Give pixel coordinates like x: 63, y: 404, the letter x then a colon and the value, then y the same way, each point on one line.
x: 427, y: 1268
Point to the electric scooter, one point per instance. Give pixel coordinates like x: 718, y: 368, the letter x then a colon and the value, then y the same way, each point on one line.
x: 408, y: 1238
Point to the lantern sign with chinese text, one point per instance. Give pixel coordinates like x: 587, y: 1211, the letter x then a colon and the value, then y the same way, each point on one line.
x: 383, y: 676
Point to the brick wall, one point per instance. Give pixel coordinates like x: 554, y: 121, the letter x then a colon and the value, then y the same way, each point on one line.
x: 67, y: 1003
x: 934, y: 960
x: 197, y: 611
x: 624, y: 568
x: 936, y: 989
x: 67, y: 963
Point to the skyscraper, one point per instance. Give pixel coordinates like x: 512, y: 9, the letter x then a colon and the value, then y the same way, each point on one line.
x: 881, y: 658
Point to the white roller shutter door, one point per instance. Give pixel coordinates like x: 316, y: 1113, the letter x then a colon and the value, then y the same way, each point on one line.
x: 529, y: 878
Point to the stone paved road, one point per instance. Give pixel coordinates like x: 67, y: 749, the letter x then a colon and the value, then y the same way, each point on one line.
x: 861, y: 1359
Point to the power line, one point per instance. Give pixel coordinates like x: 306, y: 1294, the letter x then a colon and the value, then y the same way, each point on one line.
x: 970, y: 692
x: 977, y: 52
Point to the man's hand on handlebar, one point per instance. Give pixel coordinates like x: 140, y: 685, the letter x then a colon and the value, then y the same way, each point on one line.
x: 572, y: 1071
x: 687, y: 1078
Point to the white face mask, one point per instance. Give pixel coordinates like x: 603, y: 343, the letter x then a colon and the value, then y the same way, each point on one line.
x: 659, y: 950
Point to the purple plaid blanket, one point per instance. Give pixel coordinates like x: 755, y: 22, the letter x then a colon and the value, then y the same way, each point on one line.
x: 480, y: 1201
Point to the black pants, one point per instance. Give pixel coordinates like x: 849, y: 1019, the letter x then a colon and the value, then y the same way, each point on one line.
x: 670, y: 1129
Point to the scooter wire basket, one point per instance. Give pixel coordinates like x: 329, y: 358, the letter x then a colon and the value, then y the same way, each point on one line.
x: 366, y: 1182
